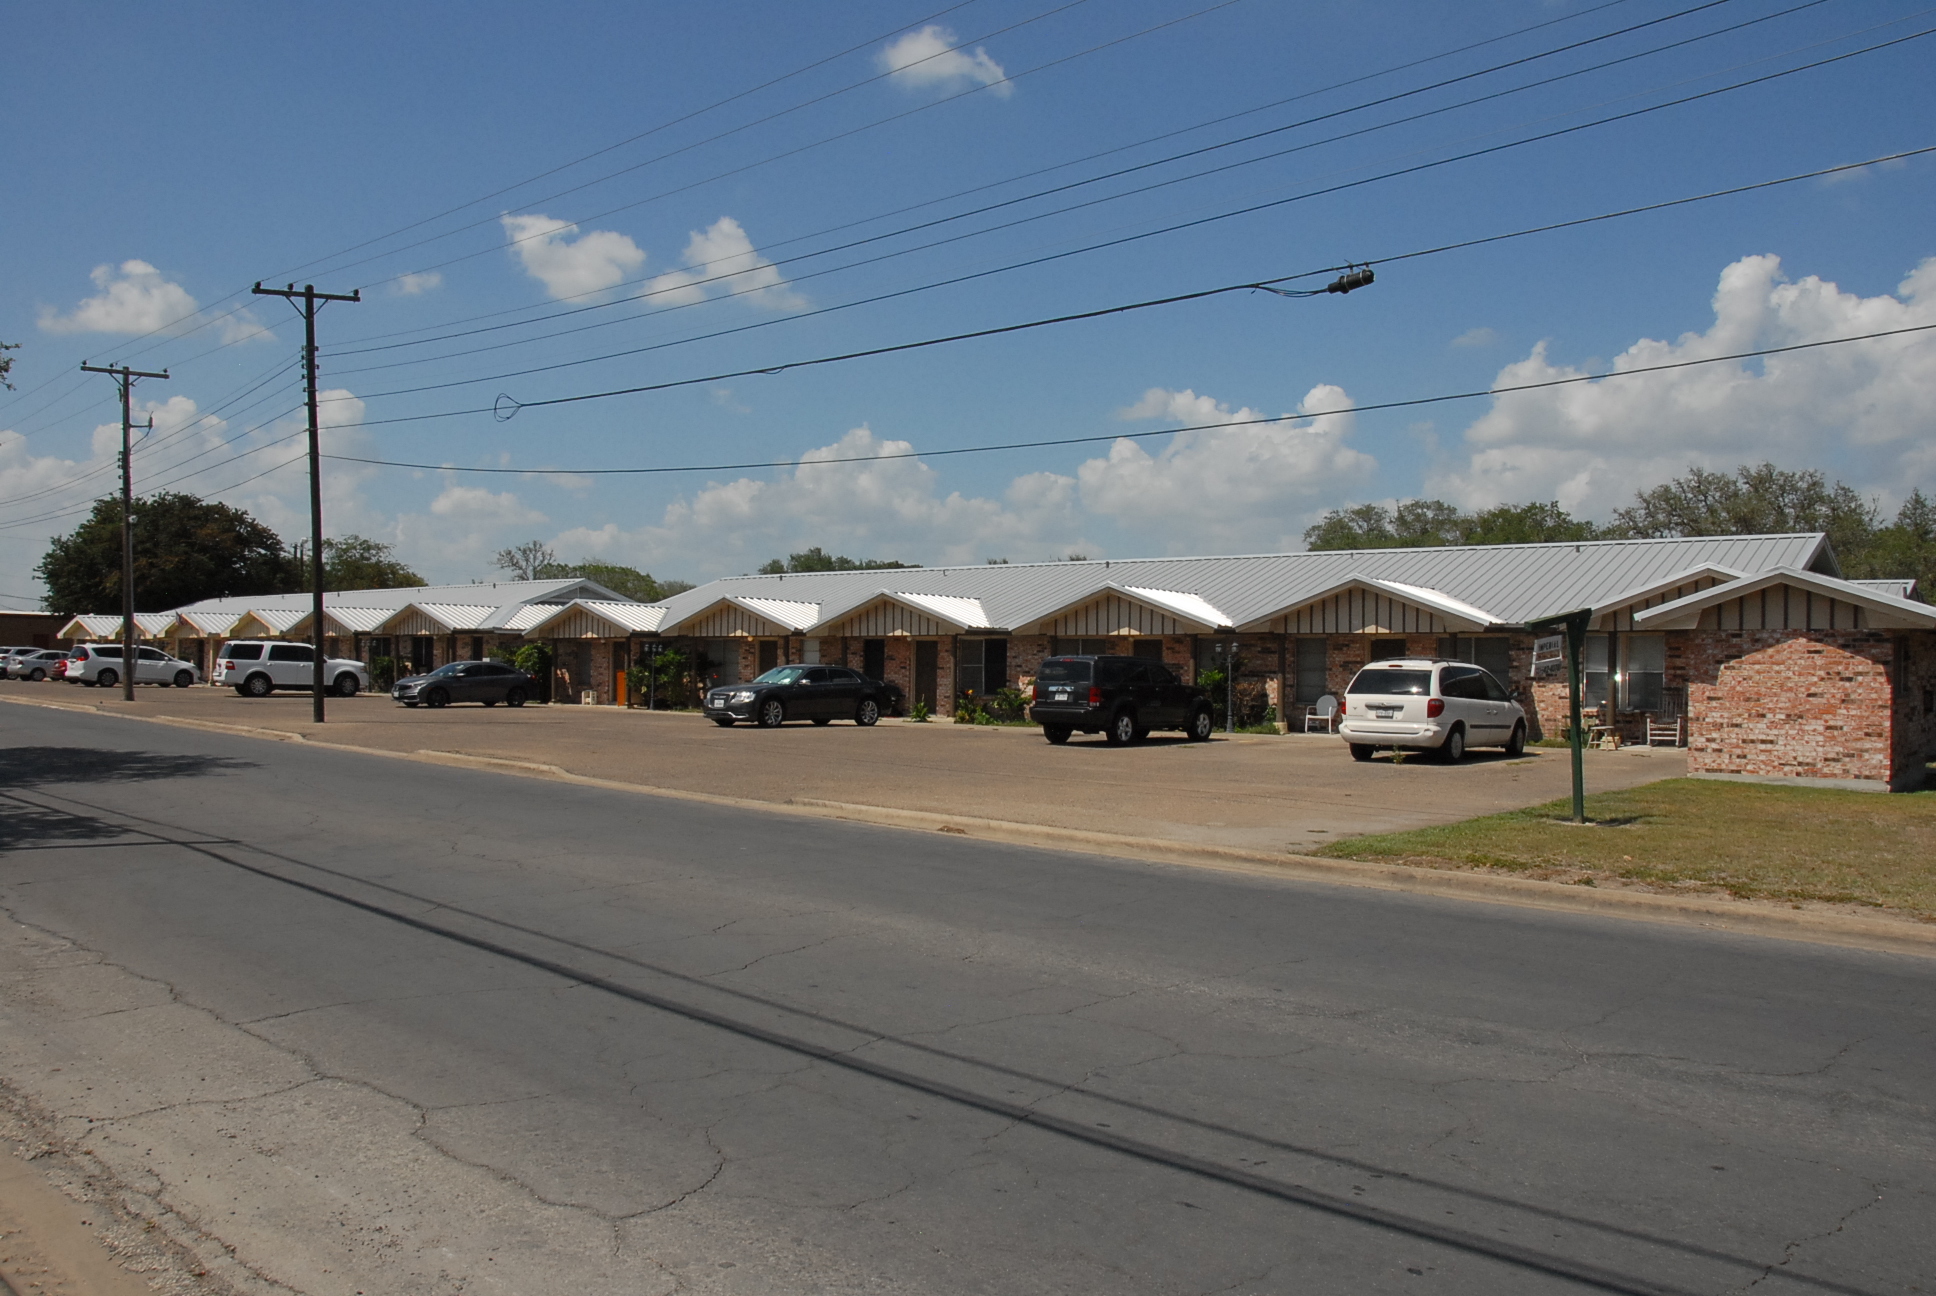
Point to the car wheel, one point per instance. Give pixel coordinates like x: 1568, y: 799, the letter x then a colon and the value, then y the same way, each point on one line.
x: 724, y: 722
x: 1516, y: 745
x: 1122, y: 729
x: 820, y: 720
x: 437, y: 698
x: 514, y: 698
x: 772, y: 713
x: 867, y: 713
x: 1202, y: 725
x: 1361, y: 751
x: 108, y: 679
x: 257, y: 686
x: 1452, y: 751
x: 184, y: 679
x: 1057, y: 734
x: 37, y: 676
x: 346, y: 685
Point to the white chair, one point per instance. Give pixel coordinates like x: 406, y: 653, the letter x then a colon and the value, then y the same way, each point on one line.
x: 1325, y: 713
x: 1665, y: 731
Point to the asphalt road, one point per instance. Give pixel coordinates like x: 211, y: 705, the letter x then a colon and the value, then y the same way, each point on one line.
x: 388, y: 1027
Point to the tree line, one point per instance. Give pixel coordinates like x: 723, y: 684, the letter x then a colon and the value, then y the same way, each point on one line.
x: 1756, y: 499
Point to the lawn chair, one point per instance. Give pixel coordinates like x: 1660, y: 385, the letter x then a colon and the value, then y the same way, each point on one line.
x: 1325, y: 714
x: 1665, y: 731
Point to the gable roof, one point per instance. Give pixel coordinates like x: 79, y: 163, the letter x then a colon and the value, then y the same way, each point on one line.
x: 1883, y: 611
x: 595, y: 619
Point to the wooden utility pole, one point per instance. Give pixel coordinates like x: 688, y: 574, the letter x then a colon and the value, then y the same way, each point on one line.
x: 124, y: 378
x: 310, y: 301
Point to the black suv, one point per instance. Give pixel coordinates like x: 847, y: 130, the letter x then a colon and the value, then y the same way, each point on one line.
x: 1122, y: 698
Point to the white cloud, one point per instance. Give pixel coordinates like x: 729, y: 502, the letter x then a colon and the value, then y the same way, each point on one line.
x: 135, y: 299
x: 1476, y: 337
x: 1590, y: 445
x: 929, y: 57
x: 418, y: 283
x: 723, y: 254
x: 567, y: 266
x: 494, y: 508
x: 1230, y: 487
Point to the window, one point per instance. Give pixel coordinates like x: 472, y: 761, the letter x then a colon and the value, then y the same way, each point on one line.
x: 422, y: 653
x: 982, y: 667
x: 1493, y: 652
x: 1644, y: 679
x: 816, y: 675
x: 1495, y: 691
x: 242, y: 652
x: 1462, y: 682
x: 105, y: 650
x: 769, y: 654
x: 1386, y: 649
x: 1079, y: 647
x: 1408, y: 683
x: 149, y: 654
x: 1117, y: 671
x: 1147, y: 649
x: 288, y: 652
x: 1311, y: 671
x: 1593, y: 689
x: 809, y: 650
x: 379, y: 647
x: 1062, y: 671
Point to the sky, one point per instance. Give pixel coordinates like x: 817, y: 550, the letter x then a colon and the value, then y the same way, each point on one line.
x: 560, y: 202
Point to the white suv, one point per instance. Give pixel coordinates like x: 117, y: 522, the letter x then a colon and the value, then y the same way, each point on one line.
x: 1423, y: 703
x: 258, y: 667
x: 100, y: 663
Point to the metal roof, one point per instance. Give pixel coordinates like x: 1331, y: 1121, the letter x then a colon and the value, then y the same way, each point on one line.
x: 1510, y: 584
x: 1886, y: 610
x: 498, y: 594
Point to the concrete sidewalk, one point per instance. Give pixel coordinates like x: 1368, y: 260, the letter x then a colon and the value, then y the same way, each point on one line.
x: 1250, y: 792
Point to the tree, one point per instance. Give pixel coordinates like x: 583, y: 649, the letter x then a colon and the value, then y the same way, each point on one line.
x: 185, y: 550
x: 527, y: 560
x: 1425, y: 523
x: 356, y: 562
x: 817, y: 559
x: 1759, y: 500
x: 6, y: 363
x: 1905, y: 548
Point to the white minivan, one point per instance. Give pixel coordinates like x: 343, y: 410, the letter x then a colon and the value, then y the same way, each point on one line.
x: 1422, y: 703
x: 258, y: 667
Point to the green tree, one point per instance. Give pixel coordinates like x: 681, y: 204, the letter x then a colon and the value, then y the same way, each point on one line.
x: 1757, y: 500
x: 534, y: 560
x: 817, y: 559
x: 185, y: 550
x: 1526, y: 524
x: 1907, y: 547
x: 354, y: 562
x: 526, y: 561
x: 1423, y: 523
x: 6, y: 363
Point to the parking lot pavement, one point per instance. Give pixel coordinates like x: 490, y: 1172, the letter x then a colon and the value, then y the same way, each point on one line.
x: 1257, y: 792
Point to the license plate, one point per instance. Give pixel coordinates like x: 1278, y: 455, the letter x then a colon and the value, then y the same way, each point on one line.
x: 1385, y: 713
x: 1059, y: 695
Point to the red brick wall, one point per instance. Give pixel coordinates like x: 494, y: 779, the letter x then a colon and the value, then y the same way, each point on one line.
x: 1791, y: 704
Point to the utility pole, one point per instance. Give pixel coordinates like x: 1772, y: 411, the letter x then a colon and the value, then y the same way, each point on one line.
x: 124, y: 378
x: 311, y: 301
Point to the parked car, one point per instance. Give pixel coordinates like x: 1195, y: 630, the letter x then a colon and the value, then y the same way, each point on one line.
x: 36, y: 664
x: 7, y: 654
x: 1122, y: 698
x: 90, y: 664
x: 1421, y: 703
x: 488, y: 682
x: 802, y: 691
x: 258, y: 667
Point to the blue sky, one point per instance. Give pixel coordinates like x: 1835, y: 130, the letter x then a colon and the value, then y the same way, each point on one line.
x: 160, y: 160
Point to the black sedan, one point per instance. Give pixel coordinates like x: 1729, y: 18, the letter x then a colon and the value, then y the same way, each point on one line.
x: 821, y: 694
x: 466, y: 681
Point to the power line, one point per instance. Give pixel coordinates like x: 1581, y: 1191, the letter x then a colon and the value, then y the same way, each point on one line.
x: 357, y: 349
x: 1410, y: 403
x: 1169, y: 229
x: 730, y: 275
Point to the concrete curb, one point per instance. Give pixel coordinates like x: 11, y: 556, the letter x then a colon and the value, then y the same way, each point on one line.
x: 1746, y: 917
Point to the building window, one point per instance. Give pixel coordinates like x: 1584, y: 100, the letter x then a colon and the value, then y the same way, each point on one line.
x: 982, y: 667
x: 1078, y: 647
x: 1311, y: 671
x: 1212, y: 655
x: 421, y: 650
x: 769, y: 655
x: 810, y: 651
x: 1386, y: 649
x: 379, y: 646
x: 1594, y: 667
x: 1643, y: 672
x: 477, y: 647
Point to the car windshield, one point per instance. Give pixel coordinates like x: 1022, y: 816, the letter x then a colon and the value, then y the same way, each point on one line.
x: 1415, y: 683
x: 1064, y: 672
x: 782, y: 675
x: 450, y: 669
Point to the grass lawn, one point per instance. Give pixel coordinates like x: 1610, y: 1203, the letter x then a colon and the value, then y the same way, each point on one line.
x: 1748, y: 840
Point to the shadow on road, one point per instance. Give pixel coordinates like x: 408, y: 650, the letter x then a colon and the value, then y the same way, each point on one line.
x: 37, y: 766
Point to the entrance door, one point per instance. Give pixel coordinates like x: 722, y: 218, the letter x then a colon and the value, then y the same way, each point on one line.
x: 927, y: 670
x: 420, y: 653
x: 621, y: 686
x: 873, y: 659
x: 769, y: 654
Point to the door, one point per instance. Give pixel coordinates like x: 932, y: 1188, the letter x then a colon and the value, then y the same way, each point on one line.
x: 291, y: 665
x: 151, y: 667
x: 621, y: 662
x: 873, y: 659
x: 769, y: 655
x: 420, y: 655
x: 927, y: 670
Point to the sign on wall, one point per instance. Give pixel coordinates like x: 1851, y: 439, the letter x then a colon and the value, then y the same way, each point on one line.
x: 1549, y: 656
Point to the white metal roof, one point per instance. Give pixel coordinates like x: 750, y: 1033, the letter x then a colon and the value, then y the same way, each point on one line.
x: 626, y: 618
x: 91, y: 625
x: 1885, y: 610
x: 1511, y: 583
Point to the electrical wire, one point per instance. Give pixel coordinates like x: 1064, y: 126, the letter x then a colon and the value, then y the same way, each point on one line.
x: 686, y: 285
x: 1410, y: 403
x: 1168, y: 229
x: 1110, y: 175
x: 355, y: 344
